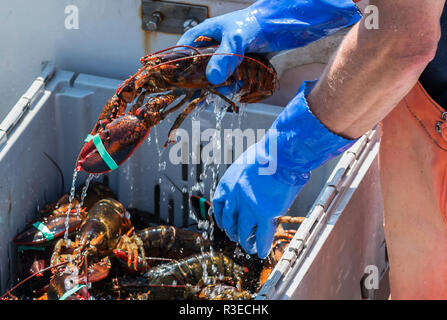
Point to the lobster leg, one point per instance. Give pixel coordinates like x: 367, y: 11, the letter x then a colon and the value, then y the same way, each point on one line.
x: 135, y: 249
x: 156, y: 106
x: 138, y: 103
x: 114, y: 108
x: 160, y: 241
x: 177, y: 106
x: 188, y: 109
x: 291, y: 220
x: 231, y: 103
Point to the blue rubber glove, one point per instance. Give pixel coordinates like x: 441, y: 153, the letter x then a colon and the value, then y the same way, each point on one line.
x: 263, y: 183
x: 270, y: 26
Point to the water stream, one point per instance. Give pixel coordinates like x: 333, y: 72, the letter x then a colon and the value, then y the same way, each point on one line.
x: 70, y: 202
x: 84, y: 192
x: 220, y: 110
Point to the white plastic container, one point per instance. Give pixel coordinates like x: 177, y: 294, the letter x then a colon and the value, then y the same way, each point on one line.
x: 341, y: 236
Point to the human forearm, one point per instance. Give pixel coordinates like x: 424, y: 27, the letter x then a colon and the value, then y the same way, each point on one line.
x: 374, y: 69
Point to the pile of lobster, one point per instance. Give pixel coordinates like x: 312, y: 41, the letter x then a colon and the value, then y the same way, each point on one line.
x: 114, y: 253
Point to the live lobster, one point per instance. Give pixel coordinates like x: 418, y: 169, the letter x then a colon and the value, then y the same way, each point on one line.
x: 107, y: 229
x: 160, y: 262
x: 166, y: 76
x: 180, y: 279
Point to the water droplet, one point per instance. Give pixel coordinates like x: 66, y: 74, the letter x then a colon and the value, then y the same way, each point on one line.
x: 162, y: 166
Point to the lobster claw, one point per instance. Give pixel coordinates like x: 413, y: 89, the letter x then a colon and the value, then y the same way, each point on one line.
x: 58, y: 284
x: 123, y: 257
x: 42, y: 232
x: 99, y: 271
x: 57, y: 289
x: 119, y: 140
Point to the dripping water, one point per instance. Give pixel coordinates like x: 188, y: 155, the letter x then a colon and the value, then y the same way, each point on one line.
x: 161, y: 164
x: 84, y: 193
x: 220, y: 108
x: 70, y: 202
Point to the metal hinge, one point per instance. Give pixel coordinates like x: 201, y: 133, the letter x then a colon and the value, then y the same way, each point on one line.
x: 317, y: 216
x: 26, y: 101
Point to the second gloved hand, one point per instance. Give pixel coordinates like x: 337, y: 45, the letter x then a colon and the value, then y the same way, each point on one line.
x: 270, y: 26
x: 263, y: 183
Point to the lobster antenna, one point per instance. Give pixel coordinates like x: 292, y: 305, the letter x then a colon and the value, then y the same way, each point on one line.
x: 58, y: 169
x: 192, y: 57
x: 32, y: 276
x: 158, y: 53
x: 162, y: 286
x: 161, y: 259
x: 86, y: 275
x: 217, y: 54
x: 173, y: 47
x: 199, y: 55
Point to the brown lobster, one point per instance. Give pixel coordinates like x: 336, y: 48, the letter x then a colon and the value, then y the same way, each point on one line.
x: 107, y: 229
x: 35, y: 242
x: 54, y: 216
x: 99, y: 234
x: 166, y: 76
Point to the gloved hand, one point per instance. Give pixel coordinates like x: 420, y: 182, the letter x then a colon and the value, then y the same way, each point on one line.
x: 253, y: 194
x: 270, y: 26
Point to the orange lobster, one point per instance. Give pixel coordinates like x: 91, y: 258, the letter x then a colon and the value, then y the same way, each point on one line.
x: 165, y: 77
